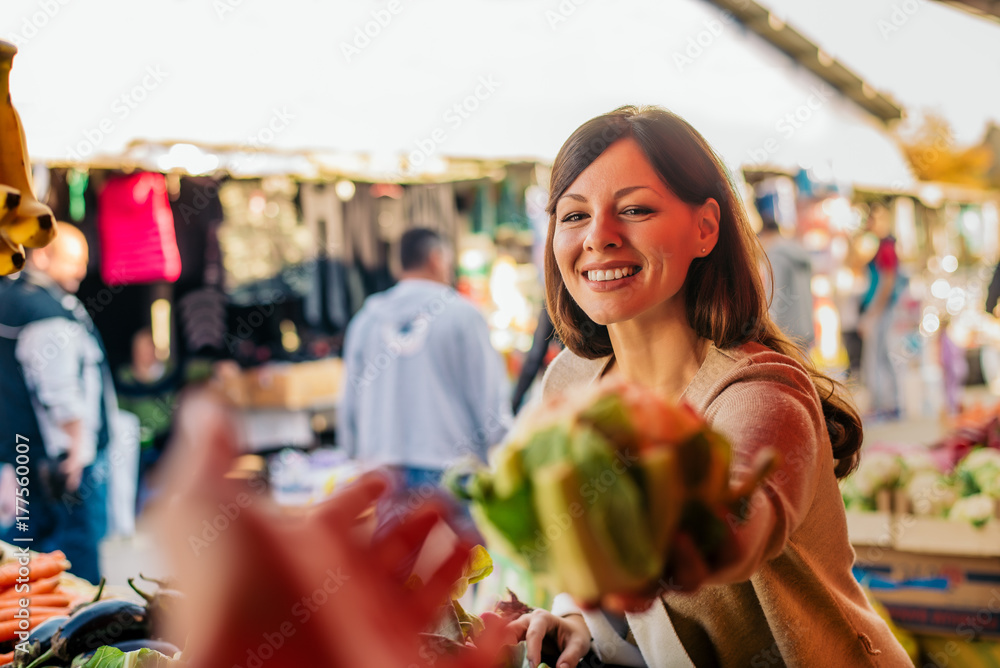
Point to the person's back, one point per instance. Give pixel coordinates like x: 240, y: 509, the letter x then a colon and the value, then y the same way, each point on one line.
x: 792, y: 303
x: 792, y: 307
x: 423, y: 386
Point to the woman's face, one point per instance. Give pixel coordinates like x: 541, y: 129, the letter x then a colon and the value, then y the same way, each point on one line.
x: 623, y: 241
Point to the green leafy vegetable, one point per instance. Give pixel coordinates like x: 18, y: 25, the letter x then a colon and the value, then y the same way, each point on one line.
x: 112, y: 657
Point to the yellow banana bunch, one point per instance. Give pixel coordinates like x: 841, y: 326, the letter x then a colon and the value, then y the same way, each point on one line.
x: 591, y: 491
x: 11, y: 257
x: 25, y: 221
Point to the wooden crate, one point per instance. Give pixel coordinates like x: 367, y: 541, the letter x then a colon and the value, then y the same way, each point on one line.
x: 294, y: 386
x: 931, y: 535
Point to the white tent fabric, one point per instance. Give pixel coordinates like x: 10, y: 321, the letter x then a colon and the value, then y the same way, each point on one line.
x: 476, y: 78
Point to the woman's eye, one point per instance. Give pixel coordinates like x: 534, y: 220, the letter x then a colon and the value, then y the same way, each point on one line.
x: 571, y: 218
x: 637, y: 211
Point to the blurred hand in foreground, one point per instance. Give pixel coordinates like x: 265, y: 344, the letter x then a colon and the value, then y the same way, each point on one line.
x: 268, y: 588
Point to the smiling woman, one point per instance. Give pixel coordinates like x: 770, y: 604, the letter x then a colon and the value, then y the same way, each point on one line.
x: 623, y: 241
x: 651, y: 276
x: 681, y: 175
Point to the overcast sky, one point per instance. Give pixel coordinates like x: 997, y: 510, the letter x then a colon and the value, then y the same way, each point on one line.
x: 468, y: 77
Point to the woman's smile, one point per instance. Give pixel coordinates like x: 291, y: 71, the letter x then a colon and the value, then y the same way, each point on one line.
x: 604, y: 280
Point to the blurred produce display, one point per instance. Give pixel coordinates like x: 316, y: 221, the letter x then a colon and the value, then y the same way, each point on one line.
x: 956, y: 478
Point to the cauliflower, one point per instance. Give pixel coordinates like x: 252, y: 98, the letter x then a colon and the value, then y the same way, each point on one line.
x: 930, y: 493
x: 980, y: 457
x: 979, y: 472
x: 877, y: 470
x: 977, y: 509
x: 914, y: 463
x: 854, y: 499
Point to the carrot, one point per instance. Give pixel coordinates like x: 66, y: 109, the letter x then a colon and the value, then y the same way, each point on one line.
x: 54, y: 600
x: 8, y: 573
x: 46, y: 586
x: 8, y: 630
x: 46, y: 567
x: 42, y: 566
x: 6, y: 658
x: 34, y: 612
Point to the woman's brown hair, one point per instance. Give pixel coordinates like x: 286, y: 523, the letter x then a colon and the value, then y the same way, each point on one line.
x: 725, y: 298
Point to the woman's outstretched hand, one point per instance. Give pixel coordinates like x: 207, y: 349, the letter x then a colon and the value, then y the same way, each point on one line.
x: 266, y: 588
x: 569, y: 634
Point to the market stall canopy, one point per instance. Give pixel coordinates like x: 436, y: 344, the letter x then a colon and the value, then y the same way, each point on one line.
x: 389, y: 80
x: 986, y: 8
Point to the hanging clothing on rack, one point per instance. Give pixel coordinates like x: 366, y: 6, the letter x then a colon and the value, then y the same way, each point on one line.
x: 201, y: 301
x: 136, y: 228
x: 360, y: 229
x: 327, y: 302
x: 263, y: 243
x: 323, y: 216
x: 484, y: 211
x: 431, y: 206
x: 392, y: 222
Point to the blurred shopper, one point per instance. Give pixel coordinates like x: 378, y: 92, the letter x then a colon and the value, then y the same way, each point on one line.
x: 57, y: 394
x: 850, y: 316
x: 877, y: 311
x: 993, y: 293
x: 423, y: 385
x: 536, y: 359
x: 791, y: 305
x: 954, y: 368
x: 849, y: 302
x: 147, y: 389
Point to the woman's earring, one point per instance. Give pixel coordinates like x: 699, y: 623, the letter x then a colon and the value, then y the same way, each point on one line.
x: 702, y: 251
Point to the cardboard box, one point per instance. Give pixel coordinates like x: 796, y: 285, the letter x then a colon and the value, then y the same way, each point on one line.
x: 935, y: 593
x: 294, y: 386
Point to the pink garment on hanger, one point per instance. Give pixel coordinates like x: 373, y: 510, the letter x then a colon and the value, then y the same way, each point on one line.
x: 136, y: 228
